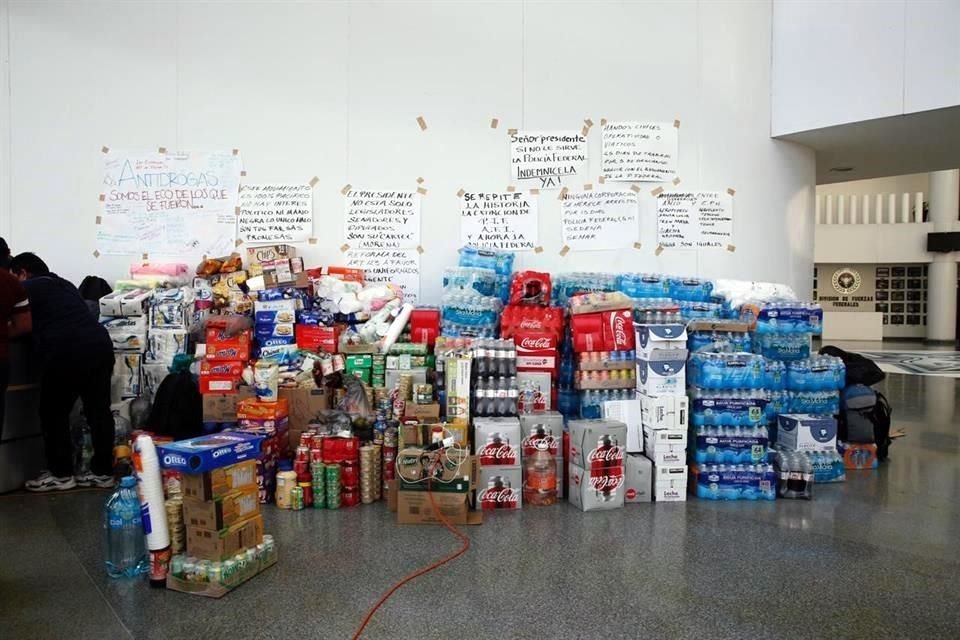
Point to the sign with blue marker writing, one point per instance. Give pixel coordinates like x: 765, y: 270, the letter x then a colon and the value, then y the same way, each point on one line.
x: 168, y: 204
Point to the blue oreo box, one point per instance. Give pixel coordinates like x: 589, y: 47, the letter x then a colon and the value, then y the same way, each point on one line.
x: 208, y: 452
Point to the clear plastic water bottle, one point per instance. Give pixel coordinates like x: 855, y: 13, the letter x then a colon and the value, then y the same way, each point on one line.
x: 126, y: 549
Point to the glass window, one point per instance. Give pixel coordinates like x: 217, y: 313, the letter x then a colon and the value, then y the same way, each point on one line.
x: 914, y: 284
x: 913, y: 295
x: 896, y: 320
x: 896, y: 296
x: 914, y: 307
x: 881, y: 307
x: 896, y: 284
x: 882, y: 295
x: 896, y: 308
x: 886, y: 319
x: 899, y: 272
x: 883, y: 272
x: 883, y: 284
x: 914, y: 320
x: 914, y: 272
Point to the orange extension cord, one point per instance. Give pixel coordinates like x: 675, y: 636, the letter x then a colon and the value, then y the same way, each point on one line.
x: 419, y: 572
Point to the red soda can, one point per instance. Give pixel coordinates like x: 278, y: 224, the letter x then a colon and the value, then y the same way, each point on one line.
x: 307, y: 494
x: 349, y: 497
x: 349, y: 474
x: 301, y: 466
x: 303, y: 453
x: 305, y: 439
x: 316, y: 455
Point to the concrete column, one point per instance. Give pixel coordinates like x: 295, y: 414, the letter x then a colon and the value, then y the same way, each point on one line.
x: 942, y: 275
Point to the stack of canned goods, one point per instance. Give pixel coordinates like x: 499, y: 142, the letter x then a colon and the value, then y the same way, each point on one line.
x: 174, y: 507
x: 390, y: 437
x: 379, y: 373
x: 371, y: 478
x: 332, y: 472
x: 229, y: 572
x: 318, y: 472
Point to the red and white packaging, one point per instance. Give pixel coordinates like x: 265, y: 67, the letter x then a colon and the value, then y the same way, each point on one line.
x: 220, y: 377
x: 425, y: 326
x: 618, y: 330
x: 597, y: 471
x: 536, y: 387
x: 536, y: 351
x: 497, y: 442
x: 530, y: 288
x: 516, y: 318
x: 500, y: 488
x: 539, y: 427
x: 587, y: 332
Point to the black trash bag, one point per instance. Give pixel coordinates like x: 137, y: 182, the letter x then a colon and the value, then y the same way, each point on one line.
x: 178, y: 407
x: 860, y: 369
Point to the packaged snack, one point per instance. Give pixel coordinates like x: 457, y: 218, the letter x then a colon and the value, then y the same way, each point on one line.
x: 266, y: 376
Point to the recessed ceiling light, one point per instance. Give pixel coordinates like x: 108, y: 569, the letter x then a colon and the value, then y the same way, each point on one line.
x: 840, y: 169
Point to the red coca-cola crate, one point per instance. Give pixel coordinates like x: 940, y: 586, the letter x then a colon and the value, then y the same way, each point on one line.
x: 425, y: 326
x: 316, y: 338
x: 536, y: 351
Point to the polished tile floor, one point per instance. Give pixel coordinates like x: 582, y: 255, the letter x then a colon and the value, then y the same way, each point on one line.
x: 875, y: 557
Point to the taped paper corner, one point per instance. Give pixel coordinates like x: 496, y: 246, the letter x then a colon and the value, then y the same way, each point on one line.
x: 676, y: 181
x: 96, y: 253
x: 243, y: 174
x: 99, y: 219
x: 511, y: 132
x: 676, y: 124
x: 588, y: 122
x: 588, y: 187
x: 312, y: 240
x: 635, y: 188
x: 161, y: 149
x: 585, y: 131
x: 103, y: 197
x: 460, y: 193
x: 422, y: 191
x: 344, y: 247
x: 659, y: 249
x: 565, y: 250
x: 637, y: 245
x: 602, y: 179
x: 419, y: 179
x: 236, y: 210
x: 236, y: 152
x: 656, y: 191
x: 511, y: 188
x: 346, y: 188
x: 731, y: 248
x: 238, y: 242
x: 494, y: 123
x: 313, y: 181
x: 538, y: 249
x: 731, y: 191
x: 421, y: 123
x: 420, y: 249
x: 561, y: 196
x: 104, y: 149
x: 145, y: 257
x: 603, y: 122
x: 535, y: 192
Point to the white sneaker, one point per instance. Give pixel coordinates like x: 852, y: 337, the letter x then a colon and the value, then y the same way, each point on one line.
x: 90, y: 479
x: 46, y: 481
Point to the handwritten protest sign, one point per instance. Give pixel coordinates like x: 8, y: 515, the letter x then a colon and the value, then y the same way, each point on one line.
x: 506, y: 221
x: 547, y: 159
x: 272, y: 213
x: 594, y: 220
x: 639, y: 151
x: 382, y: 219
x: 694, y: 219
x: 399, y: 266
x: 170, y: 204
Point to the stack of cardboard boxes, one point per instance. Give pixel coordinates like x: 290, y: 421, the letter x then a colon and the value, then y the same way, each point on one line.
x: 498, y: 450
x: 664, y: 409
x: 597, y: 479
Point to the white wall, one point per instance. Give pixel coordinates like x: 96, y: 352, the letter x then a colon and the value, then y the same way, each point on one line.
x: 839, y: 61
x: 333, y: 89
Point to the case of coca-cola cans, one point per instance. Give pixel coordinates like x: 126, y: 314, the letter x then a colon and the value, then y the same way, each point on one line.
x: 516, y: 318
x: 497, y: 442
x: 500, y: 488
x: 603, y: 331
x: 597, y: 450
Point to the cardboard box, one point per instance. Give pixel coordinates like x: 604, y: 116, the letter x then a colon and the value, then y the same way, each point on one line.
x: 285, y: 278
x: 222, y: 512
x: 218, y: 590
x: 857, y: 457
x: 393, y: 376
x: 588, y: 437
x: 164, y: 344
x: 496, y: 441
x: 663, y: 373
x: 670, y: 483
x: 317, y: 338
x: 415, y: 507
x: 207, y: 544
x: 263, y: 413
x: 258, y: 256
x: 627, y: 412
x: 220, y: 407
x: 664, y: 412
x: 209, y: 452
x: 545, y: 426
x: 665, y: 446
x: 450, y: 474
x: 304, y: 407
x: 275, y: 311
x: 127, y: 334
x: 651, y: 338
x: 128, y: 302
x: 220, y: 376
x: 426, y: 412
x: 500, y: 488
x: 269, y: 334
x: 805, y: 432
x: 127, y: 375
x: 217, y: 483
x: 638, y: 479
x: 593, y: 492
x: 223, y: 347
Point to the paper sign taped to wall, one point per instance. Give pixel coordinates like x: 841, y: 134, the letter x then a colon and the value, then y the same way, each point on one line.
x: 381, y: 219
x: 275, y: 213
x: 694, y: 219
x: 639, y: 151
x: 399, y: 266
x: 594, y: 220
x: 506, y: 221
x: 168, y: 204
x: 547, y: 159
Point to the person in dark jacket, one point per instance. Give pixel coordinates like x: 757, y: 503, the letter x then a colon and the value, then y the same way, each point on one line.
x: 77, y: 360
x: 14, y: 321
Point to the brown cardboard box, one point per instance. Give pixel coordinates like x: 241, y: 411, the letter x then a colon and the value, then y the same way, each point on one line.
x: 222, y: 407
x: 415, y: 507
x: 304, y: 406
x: 426, y: 412
x: 391, y: 495
x: 219, y: 482
x: 207, y: 544
x: 224, y: 511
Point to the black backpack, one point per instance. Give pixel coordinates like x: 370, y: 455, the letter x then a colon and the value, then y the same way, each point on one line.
x: 860, y: 369
x: 177, y: 408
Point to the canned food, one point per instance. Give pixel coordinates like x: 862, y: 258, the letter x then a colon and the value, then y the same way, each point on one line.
x: 307, y: 490
x: 349, y: 474
x: 349, y: 497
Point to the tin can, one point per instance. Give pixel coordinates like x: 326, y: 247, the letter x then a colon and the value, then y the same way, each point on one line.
x: 303, y: 454
x: 333, y: 474
x: 307, y: 489
x: 159, y: 566
x: 350, y: 497
x: 316, y: 456
x: 296, y: 498
x: 349, y: 474
x: 333, y: 498
x: 306, y: 440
